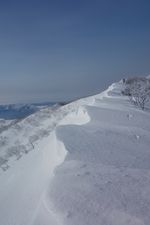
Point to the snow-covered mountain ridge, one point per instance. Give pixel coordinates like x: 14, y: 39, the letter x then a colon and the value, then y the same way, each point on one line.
x: 18, y: 111
x: 100, y: 146
x: 107, y: 168
x: 19, y: 137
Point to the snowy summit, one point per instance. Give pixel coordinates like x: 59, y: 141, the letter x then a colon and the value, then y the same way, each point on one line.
x: 85, y: 163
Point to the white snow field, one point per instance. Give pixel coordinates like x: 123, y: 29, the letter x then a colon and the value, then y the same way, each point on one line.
x: 93, y: 169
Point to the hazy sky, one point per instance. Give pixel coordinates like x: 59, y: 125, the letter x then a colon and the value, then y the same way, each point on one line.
x: 59, y: 50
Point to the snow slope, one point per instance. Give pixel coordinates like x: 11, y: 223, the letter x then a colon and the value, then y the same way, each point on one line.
x: 105, y: 177
x: 22, y: 185
x: 94, y: 168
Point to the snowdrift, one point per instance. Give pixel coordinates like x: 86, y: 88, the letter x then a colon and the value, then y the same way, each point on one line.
x: 105, y: 177
x: 91, y: 168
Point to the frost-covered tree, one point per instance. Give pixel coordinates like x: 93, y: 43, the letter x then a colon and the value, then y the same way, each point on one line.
x: 14, y: 150
x: 3, y: 163
x: 138, y: 90
x: 2, y: 140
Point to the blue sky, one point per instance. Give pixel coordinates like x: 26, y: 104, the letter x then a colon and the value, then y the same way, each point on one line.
x: 54, y: 50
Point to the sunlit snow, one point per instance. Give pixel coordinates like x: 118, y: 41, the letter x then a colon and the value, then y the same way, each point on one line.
x: 91, y: 165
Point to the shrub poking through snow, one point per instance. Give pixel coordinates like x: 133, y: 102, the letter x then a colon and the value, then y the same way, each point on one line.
x: 138, y: 90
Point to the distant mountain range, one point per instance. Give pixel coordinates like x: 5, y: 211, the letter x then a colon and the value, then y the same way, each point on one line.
x: 18, y: 111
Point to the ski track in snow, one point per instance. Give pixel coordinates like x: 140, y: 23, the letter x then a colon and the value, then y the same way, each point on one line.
x: 93, y: 169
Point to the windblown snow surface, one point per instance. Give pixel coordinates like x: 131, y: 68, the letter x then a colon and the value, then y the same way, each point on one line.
x: 94, y: 168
